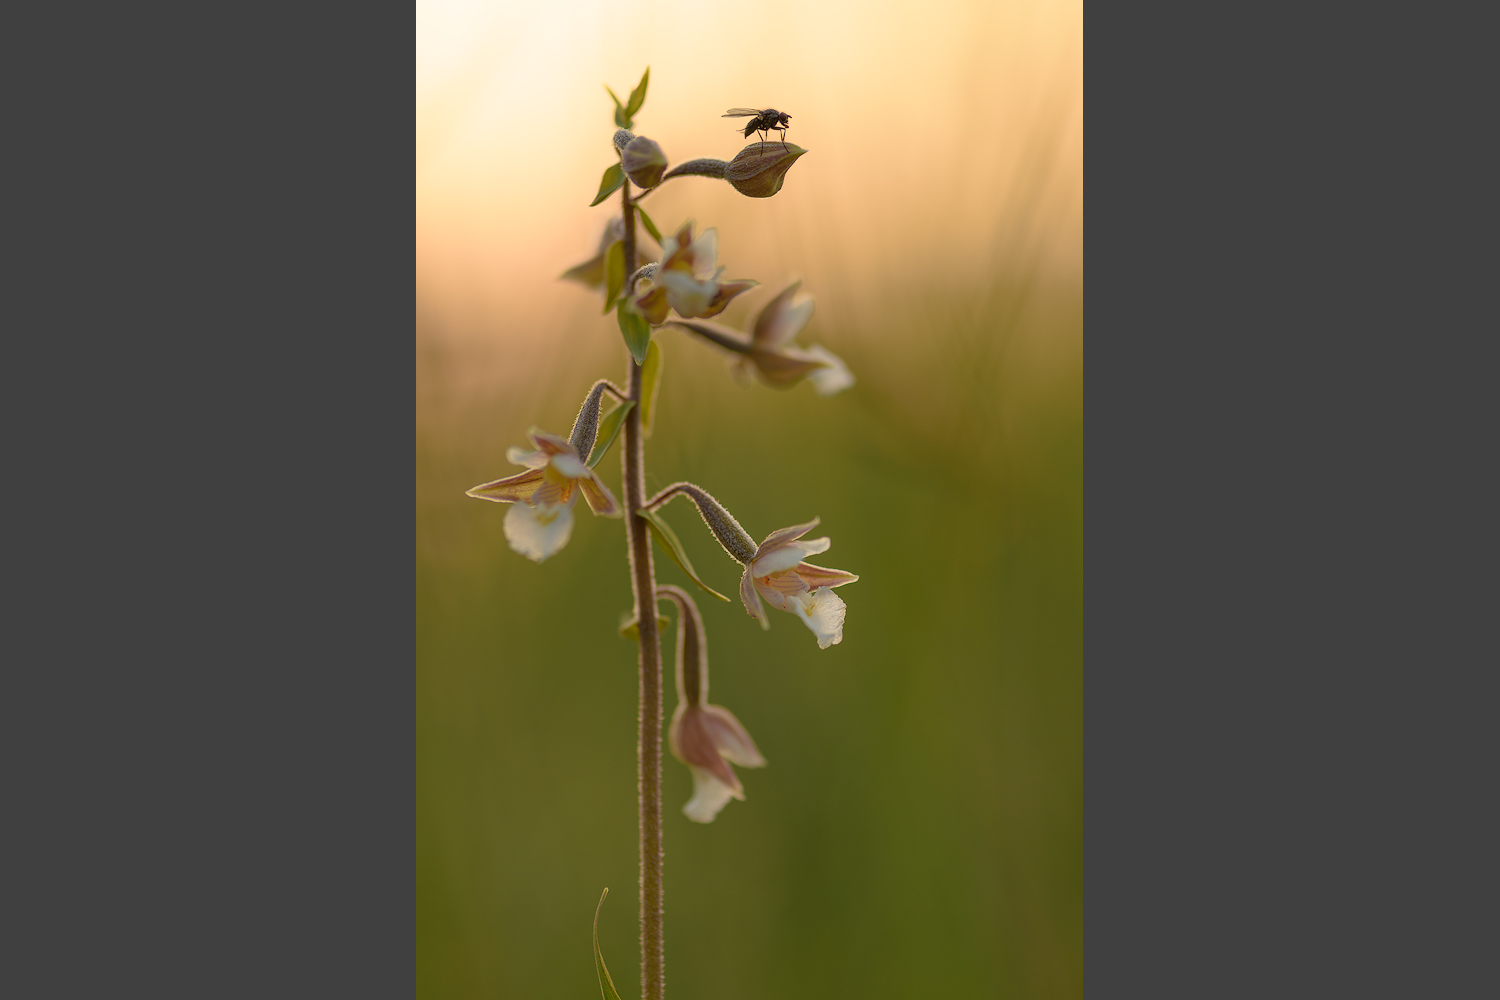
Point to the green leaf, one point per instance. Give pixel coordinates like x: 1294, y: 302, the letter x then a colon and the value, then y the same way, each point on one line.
x: 629, y: 628
x: 650, y: 382
x: 614, y: 273
x: 667, y: 539
x: 635, y: 329
x: 609, y: 183
x: 609, y: 429
x: 622, y: 120
x: 650, y: 226
x: 606, y: 984
x: 637, y: 96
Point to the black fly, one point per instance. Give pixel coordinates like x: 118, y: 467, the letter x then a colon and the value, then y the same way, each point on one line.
x: 765, y: 120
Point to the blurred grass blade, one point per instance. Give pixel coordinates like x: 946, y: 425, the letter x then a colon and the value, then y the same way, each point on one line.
x: 650, y: 382
x: 606, y: 984
x: 635, y: 330
x: 622, y: 120
x: 614, y: 273
x: 650, y: 226
x: 609, y: 429
x: 637, y: 96
x: 609, y: 183
x: 667, y: 538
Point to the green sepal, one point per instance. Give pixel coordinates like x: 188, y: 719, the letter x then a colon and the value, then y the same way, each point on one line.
x: 635, y: 330
x: 606, y: 984
x: 614, y: 273
x: 637, y: 96
x: 650, y: 382
x: 622, y: 120
x: 668, y: 540
x: 630, y: 629
x: 650, y: 226
x: 613, y: 177
x: 609, y: 429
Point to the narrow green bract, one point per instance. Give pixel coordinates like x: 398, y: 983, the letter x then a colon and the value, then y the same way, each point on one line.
x: 613, y: 177
x: 614, y: 273
x: 667, y: 539
x: 637, y: 96
x: 650, y: 226
x: 650, y: 382
x: 635, y: 329
x: 609, y: 429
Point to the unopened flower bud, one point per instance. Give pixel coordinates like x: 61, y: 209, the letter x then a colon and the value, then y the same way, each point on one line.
x: 644, y: 161
x: 758, y: 170
x: 622, y: 138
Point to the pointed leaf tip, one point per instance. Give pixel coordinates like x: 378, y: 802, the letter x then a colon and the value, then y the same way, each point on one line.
x: 614, y: 176
x: 606, y: 984
x: 638, y: 95
x: 635, y: 330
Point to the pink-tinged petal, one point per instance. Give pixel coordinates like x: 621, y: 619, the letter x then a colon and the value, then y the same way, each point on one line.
x: 834, y: 376
x: 600, y: 500
x: 781, y: 370
x: 752, y: 600
x: 784, y: 557
x: 569, y: 464
x: 823, y: 612
x: 822, y: 576
x: 531, y: 459
x: 550, y: 443
x: 780, y: 320
x: 692, y: 742
x: 519, y: 488
x: 726, y: 292
x: 734, y: 743
x: 687, y: 294
x: 710, y: 795
x: 653, y: 305
x: 538, y: 532
x: 781, y: 536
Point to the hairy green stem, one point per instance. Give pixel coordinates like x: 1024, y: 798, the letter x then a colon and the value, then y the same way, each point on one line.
x: 643, y: 587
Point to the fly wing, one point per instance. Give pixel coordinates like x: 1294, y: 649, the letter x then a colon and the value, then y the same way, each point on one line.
x: 742, y: 112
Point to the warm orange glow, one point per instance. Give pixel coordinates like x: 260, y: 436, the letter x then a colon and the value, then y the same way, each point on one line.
x: 945, y: 144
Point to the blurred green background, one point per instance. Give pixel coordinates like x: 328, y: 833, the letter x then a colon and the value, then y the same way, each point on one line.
x: 918, y: 829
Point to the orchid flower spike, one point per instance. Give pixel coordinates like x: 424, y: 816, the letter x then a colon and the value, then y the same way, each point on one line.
x: 770, y: 353
x: 687, y: 279
x: 775, y: 573
x: 541, y: 520
x: 707, y: 738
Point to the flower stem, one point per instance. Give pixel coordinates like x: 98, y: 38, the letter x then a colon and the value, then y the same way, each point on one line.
x: 643, y: 587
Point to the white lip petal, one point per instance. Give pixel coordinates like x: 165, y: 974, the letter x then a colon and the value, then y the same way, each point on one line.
x: 538, y: 532
x: 835, y: 377
x: 823, y: 612
x: 709, y: 796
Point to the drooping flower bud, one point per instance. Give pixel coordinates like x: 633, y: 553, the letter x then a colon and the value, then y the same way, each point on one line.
x: 735, y: 539
x: 644, y: 161
x: 586, y: 424
x: 758, y: 170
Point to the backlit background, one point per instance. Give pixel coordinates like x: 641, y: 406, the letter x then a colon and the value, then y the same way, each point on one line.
x: 918, y: 829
